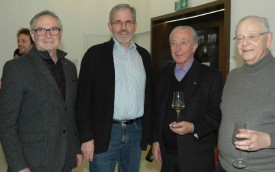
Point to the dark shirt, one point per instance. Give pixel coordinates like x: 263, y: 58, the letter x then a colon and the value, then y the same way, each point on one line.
x: 56, y: 69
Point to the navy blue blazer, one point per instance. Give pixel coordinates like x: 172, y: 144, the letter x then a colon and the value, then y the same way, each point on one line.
x: 202, y: 95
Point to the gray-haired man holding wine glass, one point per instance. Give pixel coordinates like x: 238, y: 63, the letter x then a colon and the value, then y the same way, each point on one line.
x: 249, y: 96
x: 186, y: 142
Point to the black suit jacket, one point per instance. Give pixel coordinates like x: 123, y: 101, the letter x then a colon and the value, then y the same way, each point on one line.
x: 96, y: 89
x: 37, y: 126
x: 202, y: 95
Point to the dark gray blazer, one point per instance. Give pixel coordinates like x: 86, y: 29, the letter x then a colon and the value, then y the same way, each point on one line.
x: 37, y: 126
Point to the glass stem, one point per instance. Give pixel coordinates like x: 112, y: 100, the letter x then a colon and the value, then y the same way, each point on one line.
x: 240, y: 155
x: 178, y: 116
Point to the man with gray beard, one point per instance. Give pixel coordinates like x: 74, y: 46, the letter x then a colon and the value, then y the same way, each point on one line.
x: 114, y: 97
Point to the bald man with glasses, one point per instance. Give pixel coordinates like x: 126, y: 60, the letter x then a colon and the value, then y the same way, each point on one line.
x: 249, y: 96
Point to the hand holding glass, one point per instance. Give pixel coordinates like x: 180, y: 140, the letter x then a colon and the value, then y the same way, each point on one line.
x: 178, y: 102
x: 240, y: 162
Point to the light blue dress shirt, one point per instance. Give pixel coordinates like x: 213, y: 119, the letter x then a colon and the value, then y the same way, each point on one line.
x: 130, y: 79
x: 180, y: 72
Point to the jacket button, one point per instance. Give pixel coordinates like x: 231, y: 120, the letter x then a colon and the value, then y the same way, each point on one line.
x: 64, y: 131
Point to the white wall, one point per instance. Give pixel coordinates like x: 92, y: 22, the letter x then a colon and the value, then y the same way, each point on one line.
x: 90, y: 17
x: 79, y: 18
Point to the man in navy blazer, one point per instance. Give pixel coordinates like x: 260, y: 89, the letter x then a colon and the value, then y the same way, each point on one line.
x: 186, y: 143
x: 114, y: 97
x: 37, y: 99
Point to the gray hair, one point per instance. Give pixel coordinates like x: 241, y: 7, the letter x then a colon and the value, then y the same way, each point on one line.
x: 264, y: 21
x: 44, y: 13
x: 122, y: 7
x: 192, y: 30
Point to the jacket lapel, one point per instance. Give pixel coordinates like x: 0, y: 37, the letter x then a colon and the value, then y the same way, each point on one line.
x: 39, y: 64
x: 192, y: 81
x: 68, y: 78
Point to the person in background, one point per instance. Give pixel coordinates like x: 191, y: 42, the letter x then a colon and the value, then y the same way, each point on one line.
x: 37, y: 116
x: 186, y: 143
x: 249, y: 96
x: 24, y: 41
x: 114, y: 97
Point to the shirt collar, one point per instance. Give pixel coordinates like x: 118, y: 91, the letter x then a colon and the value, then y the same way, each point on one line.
x: 184, y: 68
x: 45, y: 54
x: 118, y: 45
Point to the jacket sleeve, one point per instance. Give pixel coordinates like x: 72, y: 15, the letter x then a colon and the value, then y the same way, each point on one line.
x: 11, y: 99
x: 211, y: 113
x: 155, y: 131
x: 84, y: 100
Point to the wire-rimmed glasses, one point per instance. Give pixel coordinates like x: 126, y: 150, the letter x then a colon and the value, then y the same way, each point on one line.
x: 250, y: 37
x: 127, y: 23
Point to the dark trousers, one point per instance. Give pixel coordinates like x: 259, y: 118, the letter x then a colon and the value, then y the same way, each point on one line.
x: 67, y: 167
x: 219, y: 168
x: 170, y: 164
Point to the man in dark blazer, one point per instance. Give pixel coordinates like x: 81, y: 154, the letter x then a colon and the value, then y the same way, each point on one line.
x: 186, y: 143
x: 114, y: 97
x: 37, y: 115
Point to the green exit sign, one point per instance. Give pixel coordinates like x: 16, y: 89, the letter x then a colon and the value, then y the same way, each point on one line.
x: 181, y: 4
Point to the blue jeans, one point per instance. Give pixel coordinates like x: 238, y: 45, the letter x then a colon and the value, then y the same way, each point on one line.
x: 124, y: 149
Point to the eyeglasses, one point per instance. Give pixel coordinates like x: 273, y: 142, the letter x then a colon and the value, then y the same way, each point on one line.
x: 128, y: 23
x: 250, y: 37
x: 43, y: 31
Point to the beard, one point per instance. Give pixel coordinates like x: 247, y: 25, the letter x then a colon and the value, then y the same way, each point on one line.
x: 119, y: 36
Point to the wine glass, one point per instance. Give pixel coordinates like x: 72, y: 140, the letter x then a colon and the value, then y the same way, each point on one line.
x: 178, y: 102
x: 240, y: 162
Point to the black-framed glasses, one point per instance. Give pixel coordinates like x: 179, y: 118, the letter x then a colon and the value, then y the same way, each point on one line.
x: 42, y: 31
x: 127, y: 23
x: 250, y: 37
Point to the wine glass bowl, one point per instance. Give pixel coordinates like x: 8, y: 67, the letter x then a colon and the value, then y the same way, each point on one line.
x: 178, y: 102
x: 240, y: 162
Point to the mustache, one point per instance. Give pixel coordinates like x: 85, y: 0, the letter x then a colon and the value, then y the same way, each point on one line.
x: 123, y: 32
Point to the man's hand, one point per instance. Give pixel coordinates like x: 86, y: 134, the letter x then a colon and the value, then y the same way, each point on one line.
x: 87, y: 149
x: 156, y: 152
x: 253, y: 140
x: 79, y: 159
x: 182, y: 127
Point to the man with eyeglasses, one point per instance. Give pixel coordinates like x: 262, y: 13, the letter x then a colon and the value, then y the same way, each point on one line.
x: 114, y: 97
x: 37, y: 100
x: 249, y: 96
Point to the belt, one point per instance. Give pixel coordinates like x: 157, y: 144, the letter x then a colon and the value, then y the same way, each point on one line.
x: 125, y: 122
